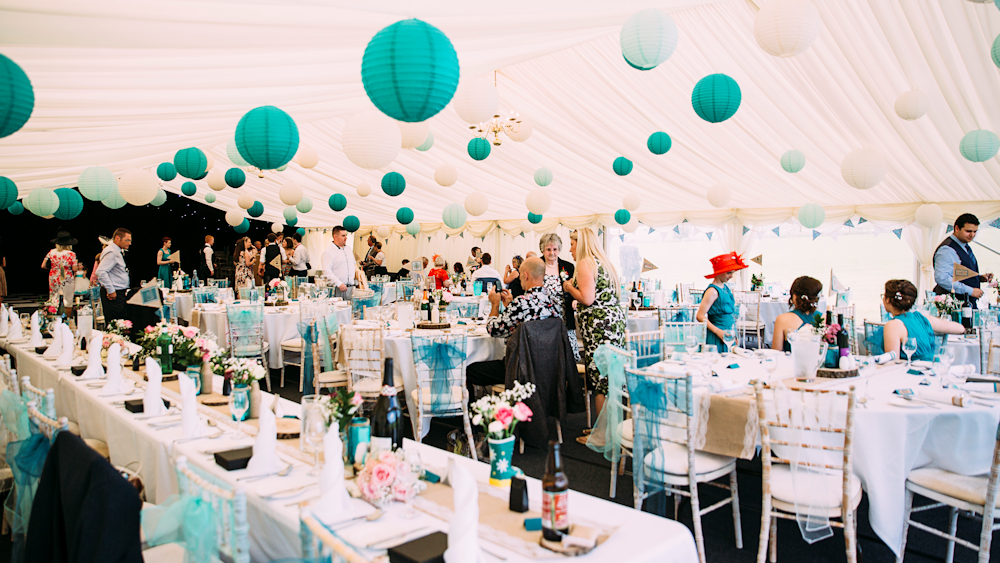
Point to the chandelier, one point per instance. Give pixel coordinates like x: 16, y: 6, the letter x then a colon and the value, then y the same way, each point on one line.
x: 508, y: 125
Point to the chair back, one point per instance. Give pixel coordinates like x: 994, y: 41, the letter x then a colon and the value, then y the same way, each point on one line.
x: 696, y: 295
x: 9, y: 375
x: 886, y: 316
x: 221, y: 282
x: 205, y: 294
x: 682, y: 291
x: 363, y: 348
x: 245, y: 334
x: 674, y: 335
x: 874, y: 341
x: 377, y: 287
x: 993, y: 359
x: 168, y: 312
x: 848, y: 312
x: 44, y: 398
x: 229, y: 506
x: 47, y: 425
x: 404, y: 289
x: 750, y: 301
x: 678, y: 314
x: 439, y: 362
x: 647, y: 346
x: 361, y: 299
x: 319, y: 544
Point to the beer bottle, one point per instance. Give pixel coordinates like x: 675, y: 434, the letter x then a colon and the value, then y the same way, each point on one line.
x: 555, y: 496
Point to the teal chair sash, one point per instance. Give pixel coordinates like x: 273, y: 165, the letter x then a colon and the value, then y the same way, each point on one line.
x: 15, y: 415
x: 246, y: 328
x: 185, y: 520
x: 205, y: 295
x: 327, y: 326
x: 26, y: 459
x: 309, y: 334
x: 654, y: 398
x: 358, y: 304
x: 611, y: 363
x: 439, y: 363
x: 404, y: 289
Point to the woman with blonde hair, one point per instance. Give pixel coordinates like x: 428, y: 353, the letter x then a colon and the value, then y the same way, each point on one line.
x: 600, y: 319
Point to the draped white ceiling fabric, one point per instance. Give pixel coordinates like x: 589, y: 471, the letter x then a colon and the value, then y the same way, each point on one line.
x: 125, y: 84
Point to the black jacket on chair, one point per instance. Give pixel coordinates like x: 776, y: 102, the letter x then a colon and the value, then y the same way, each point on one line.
x: 84, y: 510
x: 539, y: 352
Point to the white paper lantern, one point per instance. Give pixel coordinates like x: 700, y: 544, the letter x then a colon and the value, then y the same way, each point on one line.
x: 234, y: 217
x: 863, y: 168
x: 476, y: 99
x: 912, y: 105
x: 364, y: 189
x: 524, y: 130
x: 245, y: 201
x: 216, y: 180
x: 719, y: 195
x: 446, y: 175
x: 929, y: 215
x: 648, y: 38
x: 371, y: 140
x: 526, y: 226
x: 413, y: 134
x: 138, y: 187
x: 307, y: 157
x: 276, y: 228
x: 210, y: 159
x: 631, y: 226
x: 383, y: 231
x: 290, y: 193
x: 785, y: 28
x: 476, y: 204
x: 631, y: 202
x: 538, y: 201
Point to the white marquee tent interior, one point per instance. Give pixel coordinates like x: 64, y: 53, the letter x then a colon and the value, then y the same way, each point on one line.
x: 126, y: 84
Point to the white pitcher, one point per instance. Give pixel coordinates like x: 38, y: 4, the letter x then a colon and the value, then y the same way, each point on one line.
x: 808, y: 353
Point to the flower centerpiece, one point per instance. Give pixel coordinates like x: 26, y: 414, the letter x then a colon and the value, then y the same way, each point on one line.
x: 946, y: 304
x: 149, y: 339
x: 499, y: 415
x: 110, y: 339
x: 191, y: 351
x: 119, y: 327
x: 340, y: 406
x: 277, y: 284
x: 387, y: 476
x: 756, y: 282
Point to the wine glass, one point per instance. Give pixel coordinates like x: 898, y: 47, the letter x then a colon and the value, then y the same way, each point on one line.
x: 711, y: 352
x: 909, y: 347
x: 691, y: 344
x: 313, y: 429
x: 770, y: 364
x: 729, y: 338
x: 410, y: 479
x: 940, y: 366
x: 25, y: 320
x: 239, y: 404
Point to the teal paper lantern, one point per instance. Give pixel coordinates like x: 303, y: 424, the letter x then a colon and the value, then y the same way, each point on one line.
x: 256, y: 210
x: 290, y: 213
x: 648, y: 38
x: 305, y: 205
x: 160, y: 199
x: 534, y: 218
x: 543, y: 176
x: 209, y: 198
x: 622, y: 166
x: 338, y: 202
x: 393, y: 183
x: 404, y: 215
x: 793, y: 161
x: 352, y: 223
x: 413, y: 229
x: 189, y: 189
x: 191, y: 162
x: 70, y: 204
x: 410, y: 71
x: 428, y: 142
x: 43, y: 202
x: 454, y: 215
x: 114, y: 200
x: 995, y: 51
x: 235, y: 178
x: 301, y: 232
x: 811, y: 215
x: 659, y: 143
x: 622, y: 216
x: 292, y: 222
x: 8, y: 192
x: 166, y: 171
x: 201, y: 176
x: 716, y: 98
x: 267, y: 137
x: 17, y: 98
x: 97, y: 183
x: 243, y: 227
x: 479, y: 148
x: 979, y: 145
x: 16, y: 208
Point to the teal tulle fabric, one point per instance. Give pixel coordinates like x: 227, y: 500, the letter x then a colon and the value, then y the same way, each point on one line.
x: 205, y: 295
x: 166, y: 312
x: 657, y: 398
x: 309, y: 334
x: 186, y: 520
x: 606, y: 438
x: 674, y: 335
x: 246, y: 329
x: 439, y: 362
x: 15, y: 415
x: 358, y: 304
x: 404, y: 289
x: 874, y: 340
x: 377, y: 288
x: 327, y: 326
x: 26, y: 459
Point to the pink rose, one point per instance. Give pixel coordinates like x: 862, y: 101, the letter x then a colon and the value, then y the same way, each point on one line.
x: 447, y: 297
x: 357, y: 399
x: 368, y: 490
x: 190, y: 332
x: 522, y: 412
x: 127, y: 324
x: 401, y: 492
x: 504, y: 416
x: 383, y: 475
x: 387, y: 457
x: 939, y: 298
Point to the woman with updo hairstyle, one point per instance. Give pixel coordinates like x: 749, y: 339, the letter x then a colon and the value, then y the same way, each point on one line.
x: 803, y: 298
x: 899, y: 298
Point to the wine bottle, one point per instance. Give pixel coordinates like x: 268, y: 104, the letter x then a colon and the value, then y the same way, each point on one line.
x: 555, y: 496
x: 967, y: 313
x: 843, y: 337
x: 633, y: 296
x: 425, y: 311
x: 387, y: 425
x: 639, y: 298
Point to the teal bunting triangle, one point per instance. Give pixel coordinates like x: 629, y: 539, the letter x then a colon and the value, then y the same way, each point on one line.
x: 622, y: 236
x: 677, y: 230
x: 600, y: 232
x: 995, y: 223
x: 652, y: 230
x: 461, y: 235
x: 898, y: 233
x: 949, y: 228
x: 848, y: 223
x: 522, y: 235
x: 709, y: 235
x: 816, y: 234
x: 776, y: 231
x: 745, y: 230
x: 428, y: 239
x: 482, y: 238
x: 862, y: 220
x: 684, y: 221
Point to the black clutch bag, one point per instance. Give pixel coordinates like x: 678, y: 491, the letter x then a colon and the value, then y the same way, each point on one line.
x: 428, y: 549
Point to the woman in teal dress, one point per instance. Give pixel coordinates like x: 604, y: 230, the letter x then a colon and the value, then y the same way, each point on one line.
x: 162, y: 260
x: 718, y: 306
x: 899, y: 298
x: 804, y: 295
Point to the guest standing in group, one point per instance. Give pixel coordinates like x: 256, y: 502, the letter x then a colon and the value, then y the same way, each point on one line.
x: 300, y: 260
x: 288, y: 245
x: 244, y: 257
x: 268, y: 269
x: 163, y: 261
x: 61, y: 264
x: 557, y: 272
x: 112, y: 274
x: 486, y: 273
x: 898, y: 299
x: 512, y: 276
x: 258, y: 266
x: 956, y: 249
x: 339, y: 266
x: 206, y: 263
x: 595, y: 287
x: 440, y: 273
x: 379, y: 260
x: 803, y: 298
x: 475, y: 260
x: 718, y: 305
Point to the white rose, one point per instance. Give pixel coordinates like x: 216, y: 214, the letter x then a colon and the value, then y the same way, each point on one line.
x: 477, y: 420
x: 495, y: 427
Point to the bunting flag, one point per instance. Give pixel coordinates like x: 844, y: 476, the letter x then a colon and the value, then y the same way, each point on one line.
x: 709, y: 235
x: 835, y: 285
x: 759, y: 259
x: 960, y: 273
x: 522, y: 235
x: 776, y: 231
x: 428, y: 239
x: 446, y: 236
x: 745, y: 230
x: 898, y: 233
x: 276, y: 262
x: 648, y: 266
x: 147, y: 296
x: 816, y: 234
x: 483, y: 239
x: 461, y: 234
x: 600, y: 232
x: 652, y: 230
x: 834, y: 235
x: 862, y: 220
x: 622, y: 236
x: 995, y: 223
x: 677, y: 229
x: 175, y: 257
x: 684, y: 221
x: 949, y: 228
x: 848, y: 223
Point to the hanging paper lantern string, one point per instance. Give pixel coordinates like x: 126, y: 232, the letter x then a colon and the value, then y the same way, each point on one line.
x: 479, y: 148
x: 18, y: 97
x: 290, y: 214
x: 659, y: 143
x: 166, y: 171
x: 393, y: 184
x: 648, y: 38
x: 338, y: 202
x: 716, y: 98
x: 622, y: 166
x: 979, y: 146
x: 267, y: 137
x: 191, y: 163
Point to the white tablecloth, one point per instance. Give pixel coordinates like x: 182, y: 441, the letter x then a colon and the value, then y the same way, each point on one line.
x: 184, y: 303
x: 643, y: 322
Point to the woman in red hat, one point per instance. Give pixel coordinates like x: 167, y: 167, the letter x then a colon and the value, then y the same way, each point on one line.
x: 718, y: 307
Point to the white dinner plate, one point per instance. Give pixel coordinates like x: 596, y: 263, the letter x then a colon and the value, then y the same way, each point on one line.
x: 899, y: 402
x: 985, y: 395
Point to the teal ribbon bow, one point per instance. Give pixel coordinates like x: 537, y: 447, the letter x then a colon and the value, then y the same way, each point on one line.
x: 611, y: 364
x: 26, y: 459
x: 186, y: 520
x: 444, y: 361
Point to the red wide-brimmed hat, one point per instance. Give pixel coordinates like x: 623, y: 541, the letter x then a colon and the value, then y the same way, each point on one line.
x: 726, y: 263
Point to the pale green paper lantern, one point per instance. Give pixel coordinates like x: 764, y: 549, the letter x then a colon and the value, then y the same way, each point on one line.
x: 97, y: 183
x: 648, y: 38
x: 811, y: 215
x: 304, y: 205
x: 793, y: 161
x: 454, y: 215
x: 42, y: 202
x: 160, y: 199
x: 543, y: 176
x: 413, y: 229
x: 979, y: 145
x: 209, y: 198
x: 290, y: 213
x: 234, y: 154
x: 428, y: 143
x: 114, y: 200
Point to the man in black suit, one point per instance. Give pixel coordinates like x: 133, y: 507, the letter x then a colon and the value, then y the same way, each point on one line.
x: 206, y: 260
x: 271, y: 251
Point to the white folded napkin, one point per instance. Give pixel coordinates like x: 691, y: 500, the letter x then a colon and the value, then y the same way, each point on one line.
x: 55, y: 349
x: 14, y: 332
x: 152, y: 403
x: 962, y: 369
x: 335, y: 500
x: 265, y: 454
x: 114, y: 382
x: 190, y: 423
x: 3, y: 320
x: 463, y: 529
x: 36, y: 335
x: 945, y: 397
x: 94, y: 368
x: 68, y: 346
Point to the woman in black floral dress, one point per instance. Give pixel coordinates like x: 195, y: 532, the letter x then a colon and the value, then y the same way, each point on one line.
x: 557, y: 271
x: 600, y: 318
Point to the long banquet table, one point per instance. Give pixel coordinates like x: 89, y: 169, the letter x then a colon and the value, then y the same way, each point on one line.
x: 274, y: 522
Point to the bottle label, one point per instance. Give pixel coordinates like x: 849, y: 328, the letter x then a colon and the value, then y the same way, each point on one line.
x: 967, y: 312
x: 388, y: 391
x: 555, y: 510
x: 381, y: 444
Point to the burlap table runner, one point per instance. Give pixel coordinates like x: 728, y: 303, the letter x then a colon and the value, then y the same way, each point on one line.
x: 732, y: 426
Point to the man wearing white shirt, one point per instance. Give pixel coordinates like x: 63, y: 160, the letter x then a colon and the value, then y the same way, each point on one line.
x: 486, y: 271
x: 300, y: 259
x: 339, y: 265
x: 206, y: 267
